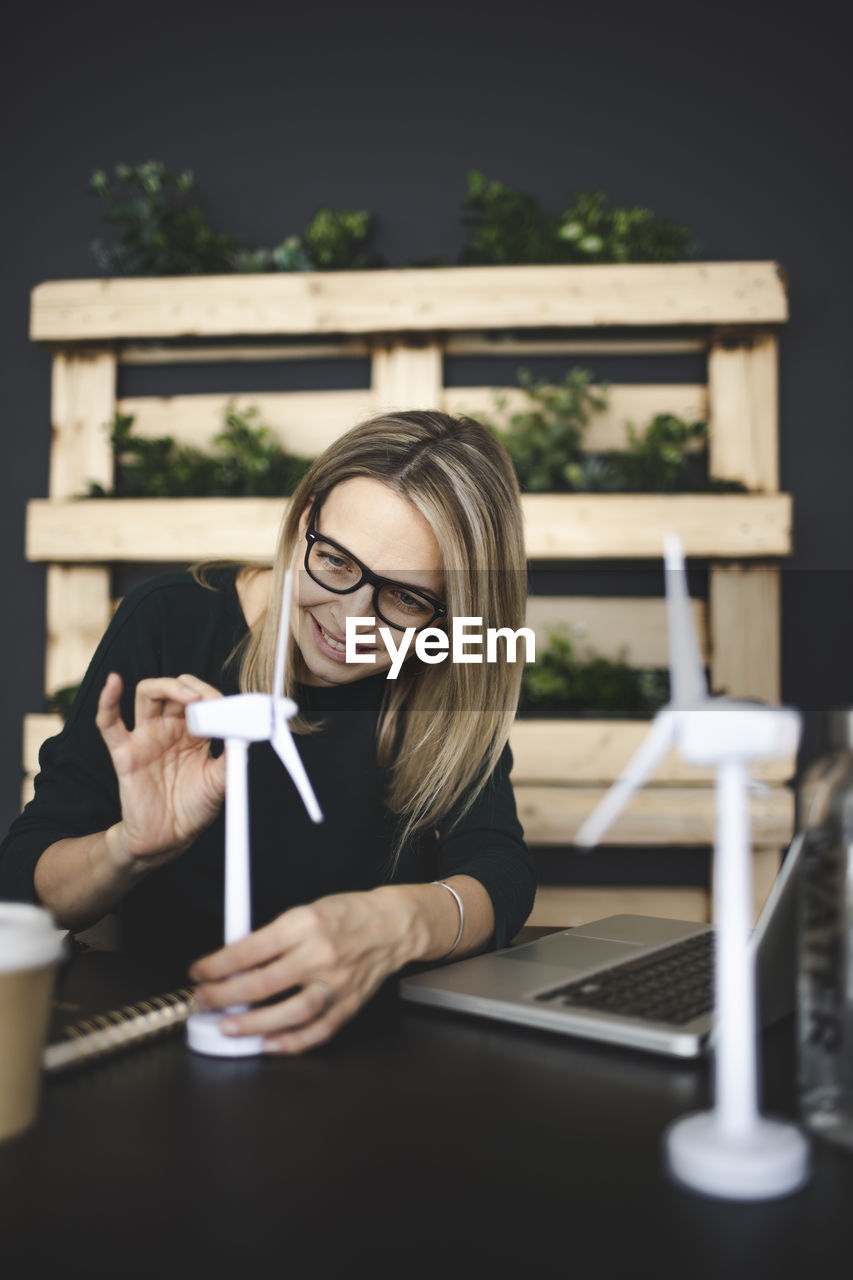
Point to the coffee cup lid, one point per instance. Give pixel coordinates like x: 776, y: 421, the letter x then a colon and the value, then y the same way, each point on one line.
x: 29, y: 937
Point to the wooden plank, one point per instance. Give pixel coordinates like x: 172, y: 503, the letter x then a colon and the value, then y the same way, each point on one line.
x: 744, y: 606
x: 568, y: 906
x: 153, y: 530
x: 37, y: 729
x: 79, y: 609
x: 559, y: 526
x: 404, y: 376
x: 304, y: 422
x: 634, y: 402
x: 655, y: 815
x: 632, y: 526
x: 743, y: 383
x: 573, y: 751
x: 484, y: 344
x: 148, y: 353
x: 588, y: 752
x: 422, y: 299
x: 83, y: 392
x: 632, y: 629
x: 577, y: 736
x: 308, y: 421
x: 459, y: 344
x: 78, y: 597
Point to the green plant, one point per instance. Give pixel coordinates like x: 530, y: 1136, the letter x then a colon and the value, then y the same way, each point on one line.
x: 159, y: 232
x: 546, y: 443
x: 658, y: 458
x: 562, y: 681
x: 662, y: 458
x: 545, y: 439
x: 590, y: 232
x: 335, y: 240
x: 162, y: 233
x: 507, y: 226
x: 59, y: 702
x: 290, y: 255
x: 247, y: 461
x: 510, y: 226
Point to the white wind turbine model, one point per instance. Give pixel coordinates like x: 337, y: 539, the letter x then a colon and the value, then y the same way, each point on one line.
x: 239, y: 720
x: 730, y: 1151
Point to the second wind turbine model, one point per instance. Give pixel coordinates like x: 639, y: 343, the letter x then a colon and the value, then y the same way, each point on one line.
x: 730, y: 1151
x: 239, y: 720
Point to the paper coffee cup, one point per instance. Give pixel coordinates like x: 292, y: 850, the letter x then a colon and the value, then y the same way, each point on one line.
x: 30, y: 946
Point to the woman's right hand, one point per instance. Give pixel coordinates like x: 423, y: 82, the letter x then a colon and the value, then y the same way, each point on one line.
x: 170, y: 787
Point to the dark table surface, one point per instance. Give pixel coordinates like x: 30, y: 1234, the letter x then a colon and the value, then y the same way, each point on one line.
x: 415, y: 1143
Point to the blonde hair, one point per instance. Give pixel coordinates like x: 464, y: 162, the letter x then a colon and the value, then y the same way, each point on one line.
x: 441, y: 727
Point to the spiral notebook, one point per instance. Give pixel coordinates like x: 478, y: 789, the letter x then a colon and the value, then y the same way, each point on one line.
x: 119, y: 1029
x: 89, y: 1020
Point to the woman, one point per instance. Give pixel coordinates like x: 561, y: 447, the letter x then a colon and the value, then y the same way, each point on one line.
x: 410, y: 518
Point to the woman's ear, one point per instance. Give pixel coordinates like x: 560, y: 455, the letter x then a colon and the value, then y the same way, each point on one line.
x: 306, y: 516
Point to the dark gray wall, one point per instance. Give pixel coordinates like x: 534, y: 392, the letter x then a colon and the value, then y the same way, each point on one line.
x: 732, y: 119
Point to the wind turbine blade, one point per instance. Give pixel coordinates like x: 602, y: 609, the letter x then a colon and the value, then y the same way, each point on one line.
x: 686, y: 672
x: 648, y: 755
x: 283, y: 744
x: 282, y: 635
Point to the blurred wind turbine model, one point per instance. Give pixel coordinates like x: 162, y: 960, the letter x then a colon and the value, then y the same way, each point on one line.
x: 239, y: 720
x: 730, y: 1151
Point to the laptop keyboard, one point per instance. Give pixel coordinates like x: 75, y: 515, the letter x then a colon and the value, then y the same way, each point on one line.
x: 675, y: 984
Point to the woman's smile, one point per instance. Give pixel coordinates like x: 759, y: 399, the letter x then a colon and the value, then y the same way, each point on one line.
x: 389, y: 535
x: 334, y: 641
x: 331, y: 644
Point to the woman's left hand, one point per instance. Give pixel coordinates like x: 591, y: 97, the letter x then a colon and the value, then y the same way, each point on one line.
x: 325, y: 960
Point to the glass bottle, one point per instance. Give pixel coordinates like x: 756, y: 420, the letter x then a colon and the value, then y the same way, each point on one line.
x: 825, y: 936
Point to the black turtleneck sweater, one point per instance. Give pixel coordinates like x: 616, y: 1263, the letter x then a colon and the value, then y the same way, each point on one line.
x: 173, y: 625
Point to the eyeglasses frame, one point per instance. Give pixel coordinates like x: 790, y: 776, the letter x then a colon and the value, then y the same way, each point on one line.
x: 375, y: 580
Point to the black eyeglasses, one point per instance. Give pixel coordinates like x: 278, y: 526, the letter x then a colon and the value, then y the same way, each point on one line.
x: 333, y: 567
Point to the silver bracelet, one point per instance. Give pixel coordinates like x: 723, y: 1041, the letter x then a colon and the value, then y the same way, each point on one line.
x: 461, y: 907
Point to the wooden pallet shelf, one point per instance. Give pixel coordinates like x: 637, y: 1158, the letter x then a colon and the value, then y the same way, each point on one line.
x: 593, y: 752
x: 406, y: 324
x: 676, y: 809
x: 307, y: 421
x: 656, y: 816
x: 558, y: 527
x: 545, y: 752
x: 418, y: 300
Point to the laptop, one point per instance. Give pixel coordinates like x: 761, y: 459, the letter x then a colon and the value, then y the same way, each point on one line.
x: 638, y: 981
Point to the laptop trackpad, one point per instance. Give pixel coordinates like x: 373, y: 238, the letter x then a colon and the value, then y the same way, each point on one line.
x: 650, y: 931
x: 571, y: 951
